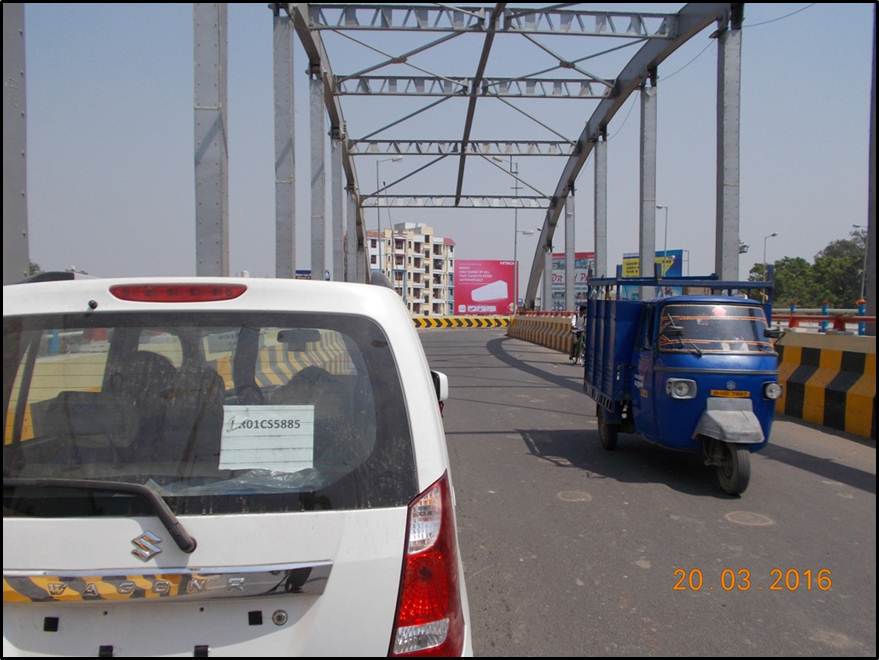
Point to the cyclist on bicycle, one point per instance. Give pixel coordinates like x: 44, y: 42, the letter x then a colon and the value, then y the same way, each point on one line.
x: 578, y: 326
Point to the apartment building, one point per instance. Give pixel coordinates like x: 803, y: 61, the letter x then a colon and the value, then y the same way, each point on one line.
x: 420, y: 264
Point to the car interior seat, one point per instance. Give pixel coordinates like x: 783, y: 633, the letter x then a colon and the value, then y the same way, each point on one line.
x: 140, y: 383
x: 194, y: 418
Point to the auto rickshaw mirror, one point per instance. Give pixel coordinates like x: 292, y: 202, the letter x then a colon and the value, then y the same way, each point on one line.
x: 772, y: 333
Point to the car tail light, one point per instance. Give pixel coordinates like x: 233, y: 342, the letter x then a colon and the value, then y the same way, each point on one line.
x: 182, y: 293
x: 429, y: 620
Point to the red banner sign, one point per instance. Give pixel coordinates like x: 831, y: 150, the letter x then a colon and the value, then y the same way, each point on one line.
x: 484, y: 287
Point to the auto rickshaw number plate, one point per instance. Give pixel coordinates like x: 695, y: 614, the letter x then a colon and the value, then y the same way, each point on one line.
x: 731, y: 394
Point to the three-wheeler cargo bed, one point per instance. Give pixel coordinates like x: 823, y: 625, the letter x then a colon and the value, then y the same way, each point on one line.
x: 611, y: 326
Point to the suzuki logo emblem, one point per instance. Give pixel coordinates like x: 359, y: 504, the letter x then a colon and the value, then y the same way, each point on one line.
x: 145, y: 546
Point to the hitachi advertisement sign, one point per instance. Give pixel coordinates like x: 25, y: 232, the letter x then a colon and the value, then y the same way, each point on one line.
x: 484, y: 287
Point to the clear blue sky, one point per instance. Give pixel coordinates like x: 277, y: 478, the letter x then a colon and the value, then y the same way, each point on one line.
x: 110, y: 137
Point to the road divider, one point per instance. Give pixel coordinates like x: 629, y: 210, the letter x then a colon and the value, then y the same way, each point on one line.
x: 550, y: 331
x: 829, y: 380
x: 461, y: 322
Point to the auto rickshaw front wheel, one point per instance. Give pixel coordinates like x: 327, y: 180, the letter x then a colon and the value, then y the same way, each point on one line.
x: 734, y: 470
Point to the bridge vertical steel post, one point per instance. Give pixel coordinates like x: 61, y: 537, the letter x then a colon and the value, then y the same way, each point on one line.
x: 363, y: 268
x: 871, y: 197
x: 547, y: 279
x: 601, y: 206
x: 16, y: 255
x: 210, y: 21
x: 569, y: 250
x: 285, y: 160
x: 647, y: 219
x: 337, y: 190
x: 729, y: 101
x: 351, y: 238
x: 318, y: 174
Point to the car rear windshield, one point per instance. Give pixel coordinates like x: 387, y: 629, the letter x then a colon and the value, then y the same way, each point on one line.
x: 714, y: 329
x: 217, y: 412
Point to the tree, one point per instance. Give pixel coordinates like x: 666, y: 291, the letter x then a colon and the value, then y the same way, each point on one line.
x: 794, y: 282
x: 33, y: 269
x: 838, y: 269
x: 834, y: 278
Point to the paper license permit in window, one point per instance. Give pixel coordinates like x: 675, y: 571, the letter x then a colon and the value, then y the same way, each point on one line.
x: 277, y: 438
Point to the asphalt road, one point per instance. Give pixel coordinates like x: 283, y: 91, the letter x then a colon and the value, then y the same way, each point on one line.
x: 572, y: 550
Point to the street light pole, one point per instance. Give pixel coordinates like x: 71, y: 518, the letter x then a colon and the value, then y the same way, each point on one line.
x: 378, y: 212
x: 765, y: 265
x: 864, y: 268
x: 665, y: 241
x: 516, y: 187
x: 514, y: 172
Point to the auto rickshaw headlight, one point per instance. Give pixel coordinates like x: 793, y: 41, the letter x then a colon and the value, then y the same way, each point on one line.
x: 772, y: 390
x: 680, y: 388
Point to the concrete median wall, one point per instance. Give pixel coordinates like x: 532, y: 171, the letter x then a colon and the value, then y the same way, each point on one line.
x: 550, y: 331
x: 829, y: 380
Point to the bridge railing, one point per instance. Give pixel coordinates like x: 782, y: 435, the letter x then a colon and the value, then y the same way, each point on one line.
x: 826, y: 319
x: 817, y: 320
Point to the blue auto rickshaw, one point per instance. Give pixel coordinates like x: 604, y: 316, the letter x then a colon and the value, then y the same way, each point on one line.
x: 695, y: 370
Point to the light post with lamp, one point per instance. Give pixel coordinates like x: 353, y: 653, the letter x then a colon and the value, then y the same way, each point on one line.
x: 378, y: 214
x: 765, y: 265
x: 864, y: 268
x: 665, y: 241
x: 514, y: 172
x: 524, y: 232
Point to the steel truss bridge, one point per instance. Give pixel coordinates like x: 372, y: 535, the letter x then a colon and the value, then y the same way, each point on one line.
x: 652, y: 37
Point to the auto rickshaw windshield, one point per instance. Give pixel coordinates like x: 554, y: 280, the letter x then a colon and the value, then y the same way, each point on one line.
x: 709, y: 328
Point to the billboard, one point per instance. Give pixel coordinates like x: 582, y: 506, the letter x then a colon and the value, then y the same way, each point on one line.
x: 583, y: 262
x: 672, y: 266
x: 484, y: 286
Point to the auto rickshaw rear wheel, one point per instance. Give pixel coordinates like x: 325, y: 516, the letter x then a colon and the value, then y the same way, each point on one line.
x: 734, y: 471
x: 607, y: 432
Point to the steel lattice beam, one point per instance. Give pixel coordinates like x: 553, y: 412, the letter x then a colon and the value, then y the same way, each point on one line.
x: 474, y: 93
x: 318, y: 60
x: 515, y: 148
x: 449, y: 201
x: 436, y: 18
x: 532, y: 88
x: 690, y: 20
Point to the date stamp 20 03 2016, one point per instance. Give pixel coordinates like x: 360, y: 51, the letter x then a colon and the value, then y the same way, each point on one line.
x: 741, y: 579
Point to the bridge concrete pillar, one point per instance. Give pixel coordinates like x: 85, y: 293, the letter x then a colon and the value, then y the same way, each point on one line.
x: 16, y: 257
x: 729, y: 84
x: 351, y: 239
x: 601, y: 206
x: 647, y: 219
x: 285, y: 161
x: 337, y: 190
x: 547, y: 279
x: 569, y: 250
x: 362, y: 263
x: 870, y: 284
x: 210, y: 22
x: 318, y: 174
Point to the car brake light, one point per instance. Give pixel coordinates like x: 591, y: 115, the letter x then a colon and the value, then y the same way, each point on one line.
x: 182, y: 293
x: 429, y: 620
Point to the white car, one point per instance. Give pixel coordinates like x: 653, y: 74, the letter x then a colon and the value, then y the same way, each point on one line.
x: 224, y: 467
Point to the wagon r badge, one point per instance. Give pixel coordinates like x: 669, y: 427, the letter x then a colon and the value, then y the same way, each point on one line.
x: 145, y: 546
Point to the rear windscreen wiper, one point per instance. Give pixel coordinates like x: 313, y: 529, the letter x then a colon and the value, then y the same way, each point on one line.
x: 175, y: 528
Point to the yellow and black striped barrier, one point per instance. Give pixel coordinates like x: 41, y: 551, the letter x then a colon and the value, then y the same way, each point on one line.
x: 461, y: 322
x: 550, y: 331
x: 829, y: 380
